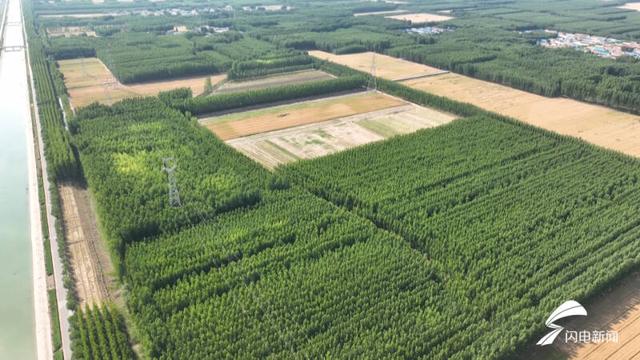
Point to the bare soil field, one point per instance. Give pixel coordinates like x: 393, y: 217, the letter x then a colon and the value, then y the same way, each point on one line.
x: 89, y: 80
x: 631, y: 6
x: 298, y: 77
x: 314, y: 140
x: 387, y: 67
x: 598, y: 125
x: 420, y: 18
x: 285, y: 116
x: 92, y: 269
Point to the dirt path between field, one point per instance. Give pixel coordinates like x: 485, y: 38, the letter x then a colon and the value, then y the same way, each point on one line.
x: 92, y: 269
x: 616, y: 311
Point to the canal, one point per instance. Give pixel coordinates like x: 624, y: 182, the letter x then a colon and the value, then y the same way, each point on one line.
x: 17, y: 324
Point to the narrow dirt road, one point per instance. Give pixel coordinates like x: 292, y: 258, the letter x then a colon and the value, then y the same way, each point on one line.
x: 92, y: 269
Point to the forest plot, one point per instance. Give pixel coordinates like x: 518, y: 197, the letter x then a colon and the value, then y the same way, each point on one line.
x: 89, y: 80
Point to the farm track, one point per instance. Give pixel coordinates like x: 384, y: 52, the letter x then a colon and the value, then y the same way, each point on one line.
x: 89, y: 261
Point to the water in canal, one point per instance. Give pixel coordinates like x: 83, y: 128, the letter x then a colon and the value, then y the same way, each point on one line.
x: 17, y: 328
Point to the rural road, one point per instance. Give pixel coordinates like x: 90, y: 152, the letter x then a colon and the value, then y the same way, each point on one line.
x: 61, y: 291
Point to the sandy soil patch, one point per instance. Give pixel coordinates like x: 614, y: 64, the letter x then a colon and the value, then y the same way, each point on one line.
x: 387, y: 67
x: 89, y: 80
x: 92, y: 269
x: 631, y: 6
x: 280, y: 117
x: 314, y: 140
x: 68, y: 31
x: 420, y: 18
x: 389, y: 12
x: 298, y: 77
x: 598, y: 125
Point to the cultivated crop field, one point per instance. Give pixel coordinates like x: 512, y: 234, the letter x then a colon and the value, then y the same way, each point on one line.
x: 387, y: 67
x: 88, y: 80
x: 240, y: 124
x: 298, y: 77
x: 310, y: 141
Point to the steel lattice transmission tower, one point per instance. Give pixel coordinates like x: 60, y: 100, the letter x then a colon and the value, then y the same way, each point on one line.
x: 372, y: 83
x: 169, y: 166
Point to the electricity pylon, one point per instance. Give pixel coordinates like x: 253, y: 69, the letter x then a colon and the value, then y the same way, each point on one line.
x: 169, y: 166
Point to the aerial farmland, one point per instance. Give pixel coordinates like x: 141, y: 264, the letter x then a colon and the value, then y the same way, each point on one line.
x: 321, y: 179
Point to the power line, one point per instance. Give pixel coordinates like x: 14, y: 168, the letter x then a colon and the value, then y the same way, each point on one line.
x: 372, y: 83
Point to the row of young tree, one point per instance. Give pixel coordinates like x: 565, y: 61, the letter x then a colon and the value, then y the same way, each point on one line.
x: 226, y: 101
x: 62, y: 163
x: 99, y: 333
x: 291, y: 276
x: 521, y: 219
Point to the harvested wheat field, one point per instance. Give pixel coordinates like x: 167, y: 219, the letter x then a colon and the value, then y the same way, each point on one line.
x: 88, y: 80
x: 598, y: 125
x: 285, y: 116
x: 631, y: 6
x: 92, y: 269
x: 314, y: 140
x: 292, y: 78
x: 420, y: 18
x: 387, y: 67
